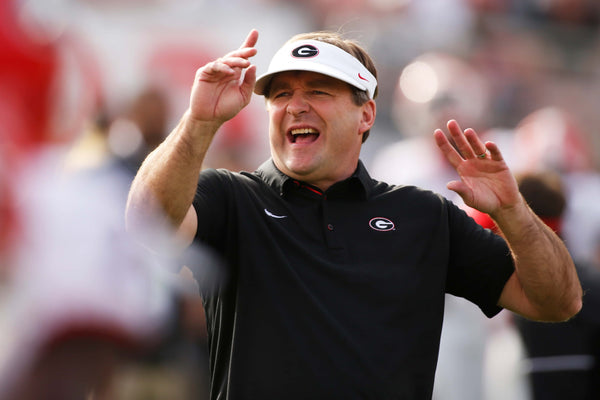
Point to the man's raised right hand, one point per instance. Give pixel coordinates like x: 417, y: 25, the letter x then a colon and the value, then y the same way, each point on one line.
x: 219, y: 92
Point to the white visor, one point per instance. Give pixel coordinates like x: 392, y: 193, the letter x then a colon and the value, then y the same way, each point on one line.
x: 321, y: 57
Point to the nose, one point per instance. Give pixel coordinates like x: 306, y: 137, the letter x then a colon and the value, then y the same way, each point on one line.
x: 297, y: 104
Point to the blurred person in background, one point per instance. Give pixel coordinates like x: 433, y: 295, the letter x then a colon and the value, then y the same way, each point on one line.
x: 334, y: 282
x: 176, y: 365
x: 562, y: 360
x: 141, y: 128
x: 557, y: 142
x: 125, y: 139
x: 79, y: 297
x: 552, y: 138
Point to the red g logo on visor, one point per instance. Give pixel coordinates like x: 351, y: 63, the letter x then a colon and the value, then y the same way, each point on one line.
x: 381, y: 224
x: 305, y: 51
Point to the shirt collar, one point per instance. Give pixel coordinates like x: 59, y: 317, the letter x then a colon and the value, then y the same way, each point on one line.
x: 359, y: 184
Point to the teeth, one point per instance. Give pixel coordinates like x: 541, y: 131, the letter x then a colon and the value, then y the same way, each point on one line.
x: 303, y: 131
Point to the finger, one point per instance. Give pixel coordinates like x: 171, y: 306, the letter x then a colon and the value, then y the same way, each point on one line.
x: 234, y: 62
x: 460, y: 140
x: 241, y: 54
x: 249, y: 79
x: 220, y: 72
x: 214, y: 69
x: 251, y: 39
x: 222, y: 67
x: 477, y: 146
x: 447, y: 149
x: 247, y: 49
x: 494, y: 151
x: 458, y: 187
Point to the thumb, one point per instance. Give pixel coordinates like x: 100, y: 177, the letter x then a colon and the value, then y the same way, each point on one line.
x: 460, y: 188
x: 249, y: 80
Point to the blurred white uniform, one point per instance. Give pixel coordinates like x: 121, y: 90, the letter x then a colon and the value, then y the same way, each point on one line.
x: 74, y: 269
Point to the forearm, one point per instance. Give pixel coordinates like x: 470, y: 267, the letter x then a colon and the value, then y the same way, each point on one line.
x: 165, y: 184
x: 545, y: 271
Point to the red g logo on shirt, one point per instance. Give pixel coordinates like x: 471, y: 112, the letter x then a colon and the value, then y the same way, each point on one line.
x: 381, y: 224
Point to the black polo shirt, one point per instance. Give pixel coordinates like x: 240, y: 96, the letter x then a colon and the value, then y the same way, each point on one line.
x: 336, y: 294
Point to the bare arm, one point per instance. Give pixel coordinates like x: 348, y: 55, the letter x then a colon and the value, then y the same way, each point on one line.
x: 545, y: 285
x: 165, y: 184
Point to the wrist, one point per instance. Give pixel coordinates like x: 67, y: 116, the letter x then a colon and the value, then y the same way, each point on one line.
x: 194, y: 124
x: 515, y: 220
x: 192, y: 137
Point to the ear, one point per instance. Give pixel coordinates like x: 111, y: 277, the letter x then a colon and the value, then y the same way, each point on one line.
x: 369, y: 111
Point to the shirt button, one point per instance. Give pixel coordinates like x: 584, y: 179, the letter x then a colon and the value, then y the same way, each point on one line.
x: 330, y: 227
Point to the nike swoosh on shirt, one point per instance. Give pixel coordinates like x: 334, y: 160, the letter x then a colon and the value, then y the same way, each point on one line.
x: 270, y: 214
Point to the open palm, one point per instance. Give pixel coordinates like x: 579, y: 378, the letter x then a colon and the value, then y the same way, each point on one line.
x: 486, y: 183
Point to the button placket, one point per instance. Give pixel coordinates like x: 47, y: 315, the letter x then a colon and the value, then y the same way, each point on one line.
x: 331, y: 235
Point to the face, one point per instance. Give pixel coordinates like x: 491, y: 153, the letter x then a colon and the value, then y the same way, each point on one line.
x: 315, y: 128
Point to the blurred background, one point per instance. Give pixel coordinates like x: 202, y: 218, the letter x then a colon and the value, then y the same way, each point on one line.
x: 94, y: 85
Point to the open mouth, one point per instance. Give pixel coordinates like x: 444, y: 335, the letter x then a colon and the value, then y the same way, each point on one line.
x: 303, y: 135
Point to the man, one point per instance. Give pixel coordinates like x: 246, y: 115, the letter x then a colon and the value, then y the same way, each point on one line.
x: 334, y: 282
x: 563, y: 359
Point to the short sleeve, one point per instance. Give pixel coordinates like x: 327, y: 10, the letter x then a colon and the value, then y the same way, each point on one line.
x: 211, y: 203
x: 480, y: 262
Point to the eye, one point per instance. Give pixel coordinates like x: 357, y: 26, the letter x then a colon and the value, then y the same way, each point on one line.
x: 320, y: 92
x: 280, y: 94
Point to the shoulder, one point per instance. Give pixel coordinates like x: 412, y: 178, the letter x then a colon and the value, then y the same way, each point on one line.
x: 221, y: 174
x: 222, y: 186
x: 225, y: 176
x: 381, y: 189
